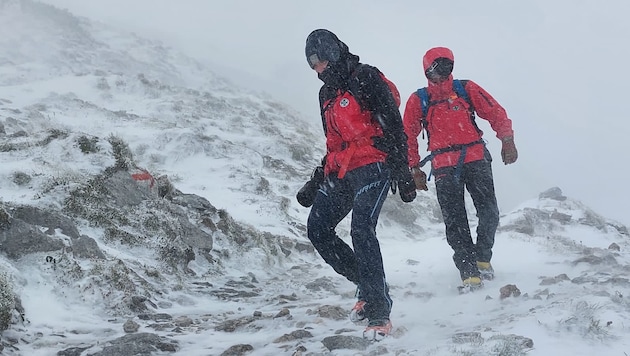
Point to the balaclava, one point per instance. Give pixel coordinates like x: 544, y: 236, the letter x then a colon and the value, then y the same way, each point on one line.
x: 438, y: 66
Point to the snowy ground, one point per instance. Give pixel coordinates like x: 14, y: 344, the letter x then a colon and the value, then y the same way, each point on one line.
x: 561, y: 318
x: 248, y: 155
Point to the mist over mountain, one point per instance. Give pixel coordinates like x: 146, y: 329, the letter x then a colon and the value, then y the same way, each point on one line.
x: 147, y: 208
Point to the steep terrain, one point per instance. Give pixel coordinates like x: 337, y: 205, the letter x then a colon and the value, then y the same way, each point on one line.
x: 147, y: 207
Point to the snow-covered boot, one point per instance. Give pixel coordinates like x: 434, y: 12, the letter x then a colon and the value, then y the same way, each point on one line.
x: 470, y: 284
x: 377, y: 329
x: 485, y: 270
x: 357, y: 314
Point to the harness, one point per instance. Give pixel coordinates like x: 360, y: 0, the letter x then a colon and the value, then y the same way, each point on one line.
x: 426, y: 103
x: 352, y: 146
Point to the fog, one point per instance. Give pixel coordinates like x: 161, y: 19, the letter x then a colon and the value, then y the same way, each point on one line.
x: 557, y: 67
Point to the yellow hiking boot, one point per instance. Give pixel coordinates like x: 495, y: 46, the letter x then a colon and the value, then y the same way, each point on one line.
x: 485, y: 270
x: 470, y: 284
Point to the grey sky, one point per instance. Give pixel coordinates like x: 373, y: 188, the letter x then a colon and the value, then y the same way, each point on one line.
x: 558, y: 67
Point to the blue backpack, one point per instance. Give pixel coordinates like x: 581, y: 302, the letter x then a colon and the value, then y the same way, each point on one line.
x: 458, y: 88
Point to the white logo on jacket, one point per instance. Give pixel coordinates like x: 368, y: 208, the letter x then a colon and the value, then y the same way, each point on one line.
x: 344, y: 102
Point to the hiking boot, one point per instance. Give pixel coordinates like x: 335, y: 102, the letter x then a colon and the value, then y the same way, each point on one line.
x: 377, y: 329
x: 357, y: 314
x: 485, y: 270
x: 470, y: 284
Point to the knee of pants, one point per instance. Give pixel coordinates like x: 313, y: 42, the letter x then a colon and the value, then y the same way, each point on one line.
x: 459, y: 243
x: 317, y: 229
x: 364, y: 228
x: 490, y: 217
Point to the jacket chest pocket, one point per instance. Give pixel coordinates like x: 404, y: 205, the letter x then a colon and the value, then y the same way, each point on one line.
x: 347, y: 119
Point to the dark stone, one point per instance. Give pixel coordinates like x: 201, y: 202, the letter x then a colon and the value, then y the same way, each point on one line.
x: 48, y: 219
x: 86, y: 247
x: 238, y: 350
x: 22, y: 238
x: 73, y: 351
x: 339, y: 342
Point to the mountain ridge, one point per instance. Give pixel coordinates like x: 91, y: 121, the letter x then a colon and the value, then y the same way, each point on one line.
x: 209, y: 253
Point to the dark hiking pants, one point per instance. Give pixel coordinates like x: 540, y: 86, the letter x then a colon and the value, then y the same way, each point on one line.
x: 362, y: 191
x: 476, y: 177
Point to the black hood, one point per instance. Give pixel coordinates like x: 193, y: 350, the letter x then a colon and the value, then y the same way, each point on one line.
x: 324, y: 45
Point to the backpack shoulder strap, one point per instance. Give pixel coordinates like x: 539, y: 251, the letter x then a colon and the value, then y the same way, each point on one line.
x: 423, y: 94
x: 460, y: 90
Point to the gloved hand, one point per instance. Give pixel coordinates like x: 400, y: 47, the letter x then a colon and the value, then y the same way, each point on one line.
x: 306, y: 195
x: 509, y: 154
x: 419, y: 178
x: 406, y: 187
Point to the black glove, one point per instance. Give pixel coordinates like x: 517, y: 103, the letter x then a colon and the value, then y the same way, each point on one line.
x: 306, y: 195
x: 406, y: 187
x: 397, y: 162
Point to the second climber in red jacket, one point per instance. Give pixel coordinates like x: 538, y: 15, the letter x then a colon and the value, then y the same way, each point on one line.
x: 446, y: 111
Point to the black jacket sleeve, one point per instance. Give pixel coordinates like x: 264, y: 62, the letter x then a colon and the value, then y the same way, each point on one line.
x: 374, y: 95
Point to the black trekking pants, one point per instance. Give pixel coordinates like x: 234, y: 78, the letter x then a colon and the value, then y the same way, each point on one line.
x: 362, y: 191
x: 476, y: 177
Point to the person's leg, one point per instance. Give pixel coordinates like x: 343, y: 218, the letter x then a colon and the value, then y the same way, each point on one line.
x: 480, y: 185
x: 450, y: 193
x: 332, y: 203
x: 371, y: 185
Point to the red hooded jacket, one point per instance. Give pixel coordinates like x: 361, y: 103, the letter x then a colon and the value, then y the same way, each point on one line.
x: 351, y: 128
x: 360, y: 116
x: 448, y: 120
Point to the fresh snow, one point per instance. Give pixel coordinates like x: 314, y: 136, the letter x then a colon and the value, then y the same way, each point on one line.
x: 214, y: 140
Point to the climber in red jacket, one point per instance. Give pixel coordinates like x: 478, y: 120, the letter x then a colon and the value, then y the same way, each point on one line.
x: 446, y: 110
x: 366, y: 154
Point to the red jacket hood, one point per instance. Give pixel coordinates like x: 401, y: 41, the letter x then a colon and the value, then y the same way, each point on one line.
x: 438, y: 91
x: 435, y: 53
